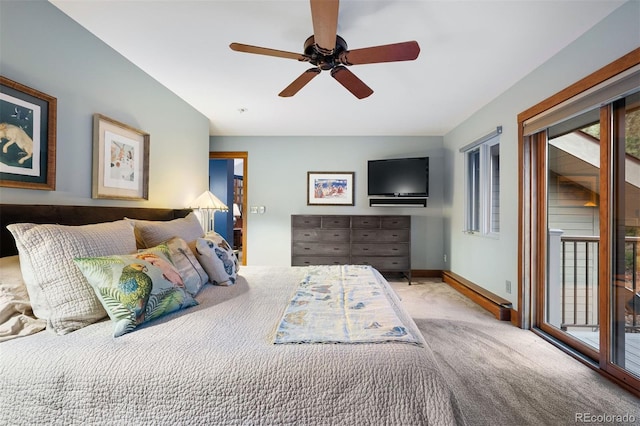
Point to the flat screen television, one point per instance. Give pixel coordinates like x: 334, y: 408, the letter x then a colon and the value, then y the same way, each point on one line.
x: 399, y: 177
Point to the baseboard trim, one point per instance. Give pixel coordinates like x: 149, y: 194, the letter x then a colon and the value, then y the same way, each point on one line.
x: 426, y: 273
x: 515, y: 318
x: 499, y: 307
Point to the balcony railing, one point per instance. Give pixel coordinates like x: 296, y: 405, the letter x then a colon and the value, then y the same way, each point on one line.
x: 573, y: 282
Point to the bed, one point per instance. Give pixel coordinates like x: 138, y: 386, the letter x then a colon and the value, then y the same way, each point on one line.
x: 215, y: 362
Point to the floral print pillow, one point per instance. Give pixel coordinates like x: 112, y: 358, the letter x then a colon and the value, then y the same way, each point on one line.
x: 137, y: 288
x: 190, y: 270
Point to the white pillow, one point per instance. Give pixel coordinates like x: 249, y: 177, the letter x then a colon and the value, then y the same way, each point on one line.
x: 150, y: 233
x: 217, y: 258
x: 58, y: 291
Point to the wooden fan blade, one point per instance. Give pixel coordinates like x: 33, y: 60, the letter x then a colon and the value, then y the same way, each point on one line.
x: 351, y: 82
x: 238, y: 47
x: 407, y: 51
x: 324, y: 14
x: 299, y: 82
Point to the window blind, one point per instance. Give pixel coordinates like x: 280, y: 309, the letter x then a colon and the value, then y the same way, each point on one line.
x: 618, y: 86
x: 482, y: 140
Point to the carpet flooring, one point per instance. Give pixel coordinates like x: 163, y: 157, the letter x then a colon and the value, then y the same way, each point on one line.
x: 502, y: 375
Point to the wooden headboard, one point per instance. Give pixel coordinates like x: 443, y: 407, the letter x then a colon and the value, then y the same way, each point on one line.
x: 72, y: 215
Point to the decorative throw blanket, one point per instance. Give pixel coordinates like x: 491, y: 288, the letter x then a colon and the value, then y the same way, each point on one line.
x: 343, y: 304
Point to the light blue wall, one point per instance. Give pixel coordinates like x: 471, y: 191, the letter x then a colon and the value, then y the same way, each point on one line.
x: 489, y: 262
x: 44, y: 49
x: 277, y: 179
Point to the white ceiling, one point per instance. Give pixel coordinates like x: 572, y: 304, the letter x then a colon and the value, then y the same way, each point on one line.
x: 471, y: 51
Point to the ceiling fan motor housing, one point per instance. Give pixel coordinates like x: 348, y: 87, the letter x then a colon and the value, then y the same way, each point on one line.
x: 322, y: 58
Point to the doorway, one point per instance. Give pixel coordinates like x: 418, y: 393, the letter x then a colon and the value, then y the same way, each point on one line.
x: 571, y: 302
x: 237, y: 216
x: 580, y: 220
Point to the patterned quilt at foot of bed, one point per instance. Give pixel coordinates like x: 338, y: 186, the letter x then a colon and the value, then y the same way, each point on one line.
x: 343, y: 304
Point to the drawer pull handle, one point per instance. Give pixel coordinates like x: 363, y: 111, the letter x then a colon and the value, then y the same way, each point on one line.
x: 307, y: 248
x: 365, y: 235
x: 365, y: 249
x: 336, y: 248
x: 395, y: 235
x: 395, y: 263
x: 336, y: 235
x: 307, y: 235
x: 394, y: 249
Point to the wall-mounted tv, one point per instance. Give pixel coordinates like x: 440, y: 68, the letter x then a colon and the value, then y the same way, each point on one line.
x: 399, y: 177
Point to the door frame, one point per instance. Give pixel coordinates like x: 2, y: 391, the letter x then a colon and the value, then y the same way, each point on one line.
x: 242, y: 155
x: 532, y: 223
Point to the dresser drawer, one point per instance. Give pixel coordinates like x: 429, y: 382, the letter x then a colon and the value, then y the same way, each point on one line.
x: 305, y: 221
x: 383, y: 263
x: 365, y: 222
x: 320, y: 235
x: 380, y: 235
x: 363, y: 249
x: 319, y: 249
x: 382, y: 241
x: 336, y: 222
x: 318, y: 260
x: 394, y: 222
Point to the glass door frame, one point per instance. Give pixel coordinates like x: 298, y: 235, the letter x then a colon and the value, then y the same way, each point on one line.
x: 532, y: 238
x: 539, y: 322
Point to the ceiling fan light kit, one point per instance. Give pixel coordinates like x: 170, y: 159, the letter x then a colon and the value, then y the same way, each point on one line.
x: 327, y: 51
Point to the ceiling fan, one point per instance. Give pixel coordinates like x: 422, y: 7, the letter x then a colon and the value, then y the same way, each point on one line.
x: 327, y: 51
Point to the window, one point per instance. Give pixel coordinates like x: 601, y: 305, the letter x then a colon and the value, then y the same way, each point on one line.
x: 473, y: 190
x: 482, y: 192
x: 494, y: 196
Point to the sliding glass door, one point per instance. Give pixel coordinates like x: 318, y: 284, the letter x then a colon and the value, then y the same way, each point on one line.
x: 571, y: 308
x: 590, y: 292
x: 624, y: 309
x: 580, y: 219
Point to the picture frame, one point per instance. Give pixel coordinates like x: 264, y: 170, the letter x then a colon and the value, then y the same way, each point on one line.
x: 27, y: 137
x: 330, y: 188
x: 120, y: 160
x: 577, y: 191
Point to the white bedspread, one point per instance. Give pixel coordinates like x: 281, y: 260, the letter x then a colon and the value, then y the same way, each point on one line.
x: 216, y: 364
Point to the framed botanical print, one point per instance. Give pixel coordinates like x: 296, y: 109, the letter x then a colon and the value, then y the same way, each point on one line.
x: 120, y: 160
x: 27, y: 137
x: 330, y: 188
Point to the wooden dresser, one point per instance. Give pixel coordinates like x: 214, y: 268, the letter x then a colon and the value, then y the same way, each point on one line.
x: 383, y: 242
